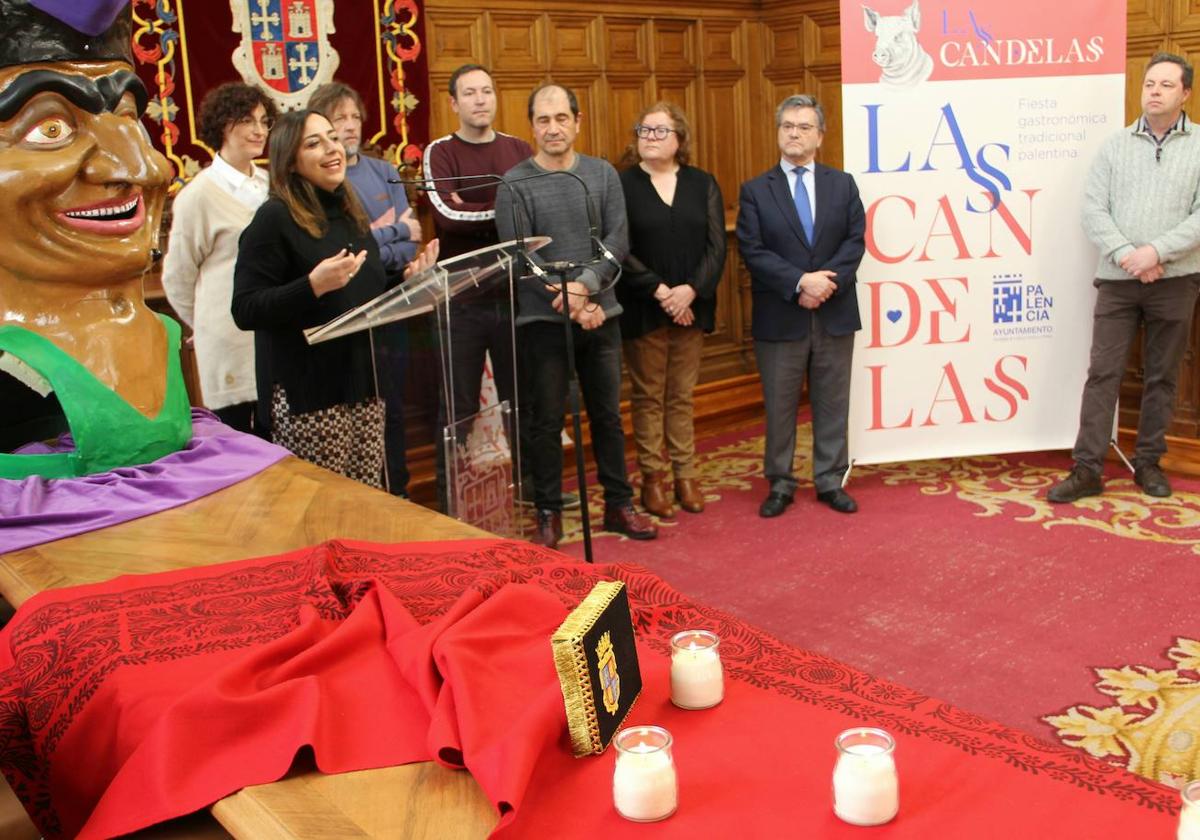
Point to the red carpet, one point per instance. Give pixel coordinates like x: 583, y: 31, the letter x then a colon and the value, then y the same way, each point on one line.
x: 957, y: 578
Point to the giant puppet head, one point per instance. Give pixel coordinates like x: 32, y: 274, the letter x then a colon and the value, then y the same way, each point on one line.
x: 81, y: 196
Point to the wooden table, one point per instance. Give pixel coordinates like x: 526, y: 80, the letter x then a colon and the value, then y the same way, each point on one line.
x: 290, y: 505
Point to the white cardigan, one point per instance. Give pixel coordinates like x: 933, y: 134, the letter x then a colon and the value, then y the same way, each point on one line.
x: 198, y: 279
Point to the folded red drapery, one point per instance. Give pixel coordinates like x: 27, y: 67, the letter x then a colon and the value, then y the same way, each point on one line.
x: 132, y: 701
x: 126, y: 703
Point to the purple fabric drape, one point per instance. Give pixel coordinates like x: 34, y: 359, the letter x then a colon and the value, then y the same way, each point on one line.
x: 37, y: 510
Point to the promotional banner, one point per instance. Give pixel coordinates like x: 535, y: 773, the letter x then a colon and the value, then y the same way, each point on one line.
x: 970, y: 129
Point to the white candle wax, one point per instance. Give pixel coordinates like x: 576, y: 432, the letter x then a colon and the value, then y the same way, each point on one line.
x: 697, y: 679
x: 865, y: 788
x: 645, y: 787
x: 1189, y: 822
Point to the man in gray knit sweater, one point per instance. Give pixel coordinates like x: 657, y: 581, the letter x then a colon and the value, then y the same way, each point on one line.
x: 559, y: 207
x: 1142, y: 209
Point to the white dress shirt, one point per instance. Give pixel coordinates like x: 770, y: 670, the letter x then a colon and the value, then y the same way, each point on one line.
x: 250, y: 190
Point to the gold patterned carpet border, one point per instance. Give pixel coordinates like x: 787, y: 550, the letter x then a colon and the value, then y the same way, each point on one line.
x: 1153, y: 727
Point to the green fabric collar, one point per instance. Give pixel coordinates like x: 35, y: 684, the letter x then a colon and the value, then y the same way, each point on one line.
x: 108, y: 431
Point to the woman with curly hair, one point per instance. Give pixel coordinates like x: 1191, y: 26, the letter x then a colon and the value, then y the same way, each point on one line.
x: 307, y: 257
x: 210, y: 214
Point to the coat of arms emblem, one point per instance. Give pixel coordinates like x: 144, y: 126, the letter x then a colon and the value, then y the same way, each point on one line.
x: 610, y: 678
x: 285, y: 47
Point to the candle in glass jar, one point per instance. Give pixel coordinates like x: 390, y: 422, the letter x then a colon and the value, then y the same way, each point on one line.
x: 645, y: 787
x: 866, y: 790
x: 1189, y: 816
x: 697, y: 679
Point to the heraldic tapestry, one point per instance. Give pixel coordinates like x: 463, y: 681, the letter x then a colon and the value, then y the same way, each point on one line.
x: 183, y: 48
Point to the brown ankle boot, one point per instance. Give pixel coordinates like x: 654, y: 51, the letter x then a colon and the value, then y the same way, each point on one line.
x: 654, y: 497
x: 689, y: 495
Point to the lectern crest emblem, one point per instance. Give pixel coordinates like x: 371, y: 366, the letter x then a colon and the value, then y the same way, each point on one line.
x: 610, y: 678
x: 285, y: 47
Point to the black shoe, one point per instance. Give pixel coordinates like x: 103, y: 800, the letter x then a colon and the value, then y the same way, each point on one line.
x: 774, y: 504
x: 1081, y: 482
x: 839, y: 500
x: 549, y: 528
x: 1151, y: 479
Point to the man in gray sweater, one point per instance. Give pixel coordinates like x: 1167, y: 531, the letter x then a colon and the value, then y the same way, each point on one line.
x: 1142, y: 209
x: 561, y: 208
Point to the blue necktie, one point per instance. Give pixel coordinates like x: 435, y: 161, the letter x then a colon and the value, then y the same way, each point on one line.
x: 803, y: 207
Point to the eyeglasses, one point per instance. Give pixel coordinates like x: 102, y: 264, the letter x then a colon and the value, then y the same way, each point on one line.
x: 802, y: 128
x: 658, y: 132
x: 265, y: 123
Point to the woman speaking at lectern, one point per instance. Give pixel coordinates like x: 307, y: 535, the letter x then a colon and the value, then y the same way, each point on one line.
x: 307, y: 257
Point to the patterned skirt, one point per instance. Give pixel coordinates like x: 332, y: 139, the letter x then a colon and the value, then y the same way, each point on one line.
x: 347, y: 439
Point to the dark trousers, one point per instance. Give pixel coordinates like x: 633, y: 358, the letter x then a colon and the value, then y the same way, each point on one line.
x: 476, y: 330
x: 391, y: 361
x: 1165, y: 307
x: 545, y: 372
x: 783, y: 365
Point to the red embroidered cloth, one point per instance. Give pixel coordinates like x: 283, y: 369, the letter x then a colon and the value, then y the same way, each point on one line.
x: 129, y: 702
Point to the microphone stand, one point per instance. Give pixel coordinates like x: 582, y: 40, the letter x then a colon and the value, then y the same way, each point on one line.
x: 560, y: 270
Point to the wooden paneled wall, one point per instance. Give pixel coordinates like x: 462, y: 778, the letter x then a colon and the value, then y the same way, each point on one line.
x: 727, y: 62
x: 618, y: 58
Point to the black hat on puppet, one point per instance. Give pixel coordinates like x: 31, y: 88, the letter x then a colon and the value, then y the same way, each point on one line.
x: 64, y: 30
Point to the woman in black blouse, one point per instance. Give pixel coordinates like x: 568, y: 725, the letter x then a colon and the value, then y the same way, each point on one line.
x: 307, y: 257
x: 668, y: 293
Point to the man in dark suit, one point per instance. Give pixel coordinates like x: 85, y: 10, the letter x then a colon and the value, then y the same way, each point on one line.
x: 800, y: 230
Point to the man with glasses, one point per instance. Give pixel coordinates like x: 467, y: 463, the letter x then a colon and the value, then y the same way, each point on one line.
x: 800, y: 230
x: 398, y: 234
